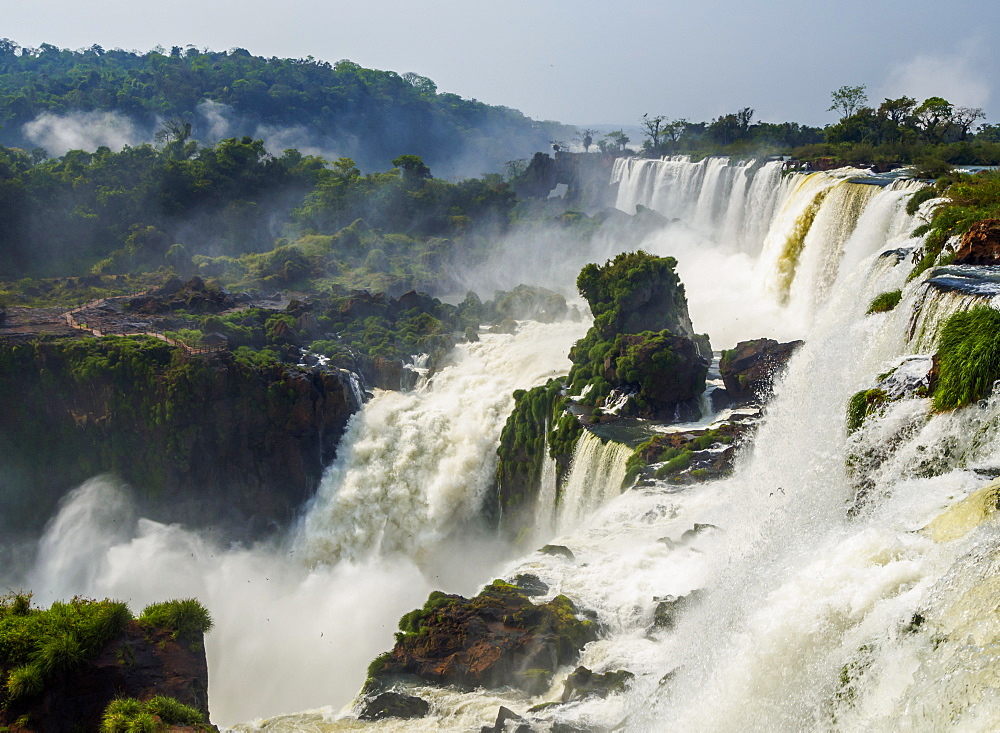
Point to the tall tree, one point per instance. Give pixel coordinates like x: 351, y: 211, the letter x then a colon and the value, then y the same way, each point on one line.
x: 653, y: 127
x: 847, y: 100
x: 934, y: 118
x: 586, y: 138
x: 964, y: 117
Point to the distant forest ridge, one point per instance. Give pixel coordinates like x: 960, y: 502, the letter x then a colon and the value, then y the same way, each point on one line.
x: 60, y: 99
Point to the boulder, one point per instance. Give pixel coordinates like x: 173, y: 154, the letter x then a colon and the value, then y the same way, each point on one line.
x: 980, y: 245
x: 558, y: 551
x: 748, y: 370
x: 668, y: 608
x: 505, y: 715
x: 531, y: 585
x: 583, y: 683
x: 498, y: 638
x: 393, y: 704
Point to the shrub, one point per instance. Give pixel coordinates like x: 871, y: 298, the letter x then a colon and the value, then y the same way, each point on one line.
x: 24, y: 682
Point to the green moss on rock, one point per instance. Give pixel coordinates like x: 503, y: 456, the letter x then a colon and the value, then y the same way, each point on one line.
x: 495, y: 639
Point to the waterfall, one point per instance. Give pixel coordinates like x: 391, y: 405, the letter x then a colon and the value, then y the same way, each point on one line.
x: 414, y: 467
x: 740, y: 195
x: 545, y: 503
x: 595, y: 477
x: 810, y: 617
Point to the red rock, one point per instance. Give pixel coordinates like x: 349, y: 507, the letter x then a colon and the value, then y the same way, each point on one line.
x: 980, y: 245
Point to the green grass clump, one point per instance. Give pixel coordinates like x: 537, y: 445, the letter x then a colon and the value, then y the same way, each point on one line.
x: 861, y: 405
x: 968, y: 358
x: 36, y: 644
x: 185, y: 617
x: 128, y: 715
x: 885, y: 302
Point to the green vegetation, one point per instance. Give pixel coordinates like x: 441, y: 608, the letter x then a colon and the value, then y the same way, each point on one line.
x: 885, y: 302
x: 539, y: 414
x: 413, y: 622
x: 968, y: 199
x: 968, y: 358
x: 185, y: 618
x: 36, y: 644
x: 861, y: 405
x: 631, y: 294
x: 234, y: 211
x: 128, y: 715
x: 373, y: 115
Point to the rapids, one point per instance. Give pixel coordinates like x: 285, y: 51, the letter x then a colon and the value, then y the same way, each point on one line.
x: 811, y: 617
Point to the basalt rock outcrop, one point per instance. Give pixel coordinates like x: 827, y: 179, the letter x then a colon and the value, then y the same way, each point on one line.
x: 664, y: 370
x: 498, y: 638
x: 748, y: 371
x: 136, y: 660
x: 980, y: 244
x: 201, y: 439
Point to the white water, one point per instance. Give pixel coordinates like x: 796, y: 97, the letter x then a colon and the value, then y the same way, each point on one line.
x: 414, y: 467
x: 391, y: 522
x: 595, y: 477
x: 795, y: 591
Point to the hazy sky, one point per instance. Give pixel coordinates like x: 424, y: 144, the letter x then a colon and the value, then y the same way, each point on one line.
x: 585, y: 62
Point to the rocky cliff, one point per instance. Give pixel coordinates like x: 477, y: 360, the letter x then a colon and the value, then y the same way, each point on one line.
x: 61, y: 668
x: 201, y: 438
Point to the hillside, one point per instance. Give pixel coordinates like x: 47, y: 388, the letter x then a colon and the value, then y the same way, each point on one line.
x: 337, y: 110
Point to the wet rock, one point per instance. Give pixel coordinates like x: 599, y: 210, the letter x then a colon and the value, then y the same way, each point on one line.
x: 720, y: 399
x: 748, y: 370
x: 393, y: 704
x: 583, y: 683
x: 980, y: 244
x: 531, y: 585
x: 558, y: 551
x: 498, y: 638
x: 696, y: 530
x: 668, y: 608
x: 505, y: 715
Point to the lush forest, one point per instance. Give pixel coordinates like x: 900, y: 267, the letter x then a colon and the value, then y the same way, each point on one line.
x: 931, y: 134
x: 180, y: 204
x: 340, y: 109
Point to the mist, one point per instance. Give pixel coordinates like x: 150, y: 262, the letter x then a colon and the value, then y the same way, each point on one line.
x: 58, y: 134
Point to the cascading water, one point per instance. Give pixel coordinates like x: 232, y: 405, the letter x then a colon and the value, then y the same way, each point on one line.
x: 390, y: 523
x: 811, y: 616
x: 414, y: 467
x: 595, y: 477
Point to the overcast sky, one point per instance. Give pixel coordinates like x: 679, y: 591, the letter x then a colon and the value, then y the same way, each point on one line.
x: 585, y: 62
